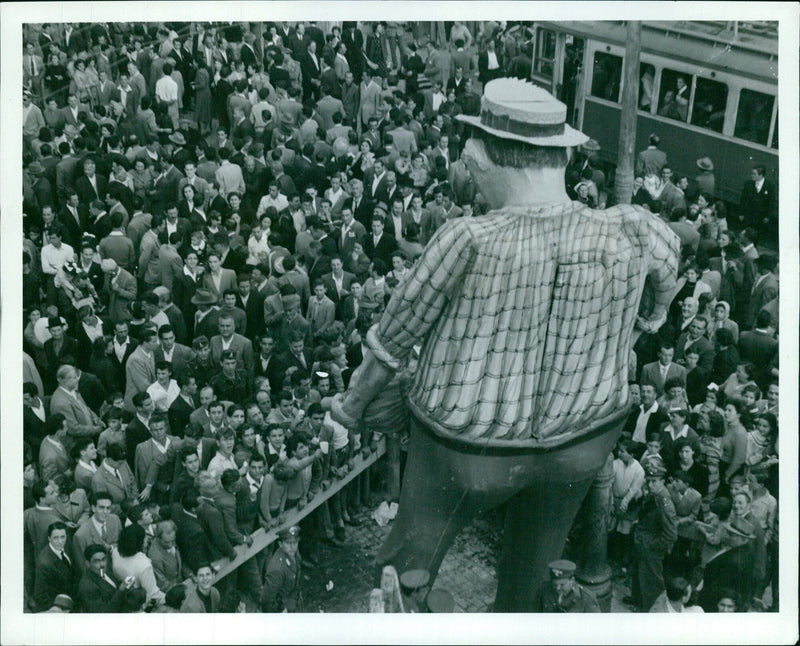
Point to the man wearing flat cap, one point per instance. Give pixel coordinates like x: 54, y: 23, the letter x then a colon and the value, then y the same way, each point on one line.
x: 653, y: 538
x: 281, y: 592
x: 562, y: 593
x: 526, y: 320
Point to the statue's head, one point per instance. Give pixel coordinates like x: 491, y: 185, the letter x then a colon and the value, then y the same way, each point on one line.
x: 521, y: 126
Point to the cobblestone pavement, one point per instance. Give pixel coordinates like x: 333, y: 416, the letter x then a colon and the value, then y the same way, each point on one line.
x: 467, y: 572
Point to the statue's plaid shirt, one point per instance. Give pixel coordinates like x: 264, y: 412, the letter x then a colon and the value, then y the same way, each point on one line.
x: 525, y: 317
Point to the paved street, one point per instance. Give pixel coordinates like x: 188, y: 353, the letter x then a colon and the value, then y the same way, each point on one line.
x: 468, y: 571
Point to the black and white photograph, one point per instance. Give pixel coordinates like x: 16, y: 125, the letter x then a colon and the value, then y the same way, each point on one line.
x: 334, y: 312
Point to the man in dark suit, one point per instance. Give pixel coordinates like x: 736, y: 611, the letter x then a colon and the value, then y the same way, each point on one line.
x: 138, y: 429
x: 302, y: 165
x: 379, y: 245
x: 337, y: 282
x: 645, y: 419
x: 34, y: 415
x: 310, y: 68
x: 76, y: 39
x: 251, y: 302
x: 267, y: 364
x: 165, y: 186
x: 388, y: 189
x: 758, y: 205
x: 123, y: 347
x: 92, y: 390
x: 190, y: 536
x: 359, y: 203
x: 56, y: 348
x: 87, y: 263
x: 490, y: 64
x: 46, y: 40
x: 183, y: 61
x: 298, y: 356
x: 90, y: 186
x: 99, y: 590
x: 55, y: 571
x: 294, y: 40
x: 185, y: 404
x: 74, y: 217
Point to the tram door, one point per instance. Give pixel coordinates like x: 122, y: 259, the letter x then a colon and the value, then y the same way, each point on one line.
x: 570, y: 77
x: 558, y: 67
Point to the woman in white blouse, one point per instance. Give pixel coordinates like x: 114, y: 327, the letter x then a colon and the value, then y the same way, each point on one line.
x: 128, y: 559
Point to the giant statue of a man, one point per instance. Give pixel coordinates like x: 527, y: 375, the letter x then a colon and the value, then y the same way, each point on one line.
x: 525, y: 318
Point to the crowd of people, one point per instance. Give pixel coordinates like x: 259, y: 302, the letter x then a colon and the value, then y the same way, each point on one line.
x: 696, y: 473
x: 215, y: 215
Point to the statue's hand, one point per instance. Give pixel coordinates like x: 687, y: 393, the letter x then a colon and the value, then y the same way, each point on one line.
x: 338, y: 413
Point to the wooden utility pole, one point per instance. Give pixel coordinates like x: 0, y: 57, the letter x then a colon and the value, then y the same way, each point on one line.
x: 623, y: 182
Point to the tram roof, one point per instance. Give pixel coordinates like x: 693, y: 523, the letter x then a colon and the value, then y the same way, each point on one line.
x: 752, y: 52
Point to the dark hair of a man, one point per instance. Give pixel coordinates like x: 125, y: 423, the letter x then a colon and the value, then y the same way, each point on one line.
x: 190, y: 499
x: 676, y: 588
x: 724, y: 337
x: 116, y: 451
x: 54, y: 526
x: 54, y: 423
x: 293, y: 442
x: 93, y: 549
x: 175, y: 596
x: 131, y: 540
x: 97, y: 496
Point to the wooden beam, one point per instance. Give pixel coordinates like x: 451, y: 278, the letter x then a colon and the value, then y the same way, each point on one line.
x: 626, y: 153
x: 262, y: 539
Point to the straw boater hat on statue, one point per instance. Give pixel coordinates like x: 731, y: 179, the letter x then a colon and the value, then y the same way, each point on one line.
x: 518, y: 110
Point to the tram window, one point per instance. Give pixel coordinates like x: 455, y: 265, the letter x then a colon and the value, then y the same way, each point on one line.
x: 674, y: 97
x: 545, y: 52
x: 753, y: 116
x: 647, y: 76
x: 710, y: 98
x: 606, y: 75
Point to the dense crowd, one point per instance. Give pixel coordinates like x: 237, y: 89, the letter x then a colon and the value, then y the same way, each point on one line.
x: 215, y: 215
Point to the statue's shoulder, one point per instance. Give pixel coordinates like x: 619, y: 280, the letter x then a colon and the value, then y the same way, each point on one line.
x: 631, y: 212
x: 637, y: 219
x: 476, y: 227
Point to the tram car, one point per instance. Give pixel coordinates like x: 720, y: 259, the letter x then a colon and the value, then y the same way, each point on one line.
x: 706, y: 89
